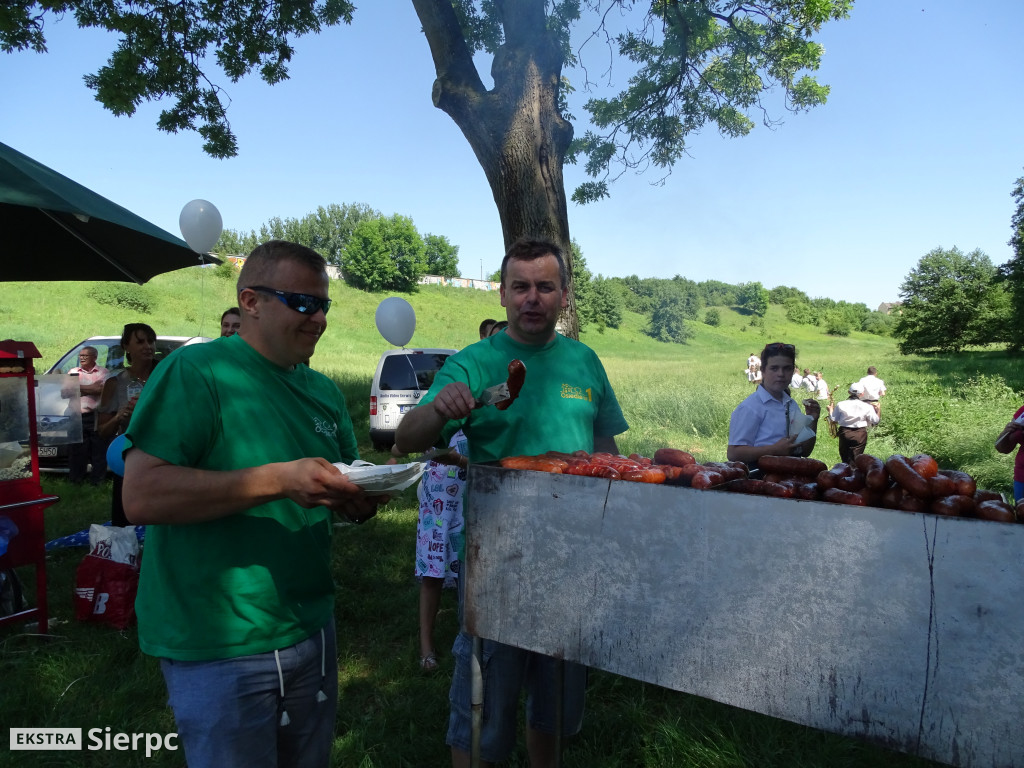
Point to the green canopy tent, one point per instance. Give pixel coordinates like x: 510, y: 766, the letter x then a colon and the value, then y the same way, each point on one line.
x: 52, y: 228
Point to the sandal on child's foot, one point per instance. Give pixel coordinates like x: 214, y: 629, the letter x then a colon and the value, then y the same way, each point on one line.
x: 428, y: 663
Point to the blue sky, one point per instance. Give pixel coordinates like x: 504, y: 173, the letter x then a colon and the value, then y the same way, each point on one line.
x: 918, y: 147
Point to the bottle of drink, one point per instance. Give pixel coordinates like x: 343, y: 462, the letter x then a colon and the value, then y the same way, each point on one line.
x: 134, y: 388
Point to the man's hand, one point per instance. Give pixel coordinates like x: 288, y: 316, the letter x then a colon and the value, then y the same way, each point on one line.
x: 315, y: 482
x: 420, y: 428
x: 783, y: 447
x: 455, y: 401
x: 360, y: 509
x: 812, y: 408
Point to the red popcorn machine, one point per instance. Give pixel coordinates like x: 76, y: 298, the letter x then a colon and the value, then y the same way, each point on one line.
x: 22, y: 501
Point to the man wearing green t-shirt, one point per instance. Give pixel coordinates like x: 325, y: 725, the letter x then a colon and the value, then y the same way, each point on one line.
x: 566, y: 404
x: 231, y: 468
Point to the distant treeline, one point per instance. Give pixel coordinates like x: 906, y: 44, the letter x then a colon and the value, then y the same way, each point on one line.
x: 671, y: 305
x: 386, y: 253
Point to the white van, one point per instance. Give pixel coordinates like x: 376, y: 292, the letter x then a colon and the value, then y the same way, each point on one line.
x: 403, y: 376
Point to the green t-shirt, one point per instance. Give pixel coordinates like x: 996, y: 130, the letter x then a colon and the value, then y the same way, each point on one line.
x: 565, y: 400
x: 260, y: 579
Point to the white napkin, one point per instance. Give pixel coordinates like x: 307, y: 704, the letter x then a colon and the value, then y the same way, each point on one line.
x: 801, y: 424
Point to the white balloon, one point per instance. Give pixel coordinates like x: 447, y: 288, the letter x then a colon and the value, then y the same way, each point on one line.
x: 200, y: 225
x: 396, y: 320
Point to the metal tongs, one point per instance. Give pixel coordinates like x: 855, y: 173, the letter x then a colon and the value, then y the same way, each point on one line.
x: 493, y: 395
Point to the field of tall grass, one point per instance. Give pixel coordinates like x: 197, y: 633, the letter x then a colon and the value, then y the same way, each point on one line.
x: 390, y: 713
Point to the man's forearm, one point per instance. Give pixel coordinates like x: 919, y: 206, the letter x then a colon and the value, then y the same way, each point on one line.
x: 748, y: 454
x: 419, y: 429
x: 156, y: 492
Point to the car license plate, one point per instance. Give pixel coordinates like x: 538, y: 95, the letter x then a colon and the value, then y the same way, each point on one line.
x: 47, y: 450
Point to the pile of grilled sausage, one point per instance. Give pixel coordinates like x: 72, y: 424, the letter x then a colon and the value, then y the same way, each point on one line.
x: 908, y: 483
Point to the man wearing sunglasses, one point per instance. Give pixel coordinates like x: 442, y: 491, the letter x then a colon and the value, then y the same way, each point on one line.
x: 231, y: 468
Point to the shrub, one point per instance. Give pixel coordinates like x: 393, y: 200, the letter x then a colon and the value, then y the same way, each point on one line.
x: 837, y: 323
x: 712, y: 317
x: 127, y: 295
x: 226, y: 270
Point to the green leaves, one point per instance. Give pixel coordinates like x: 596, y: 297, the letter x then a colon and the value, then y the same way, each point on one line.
x: 699, y: 63
x: 951, y: 301
x: 753, y: 298
x: 442, y: 258
x: 163, y: 47
x: 384, y: 254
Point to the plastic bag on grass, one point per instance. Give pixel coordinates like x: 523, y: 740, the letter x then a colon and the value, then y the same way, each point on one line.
x: 107, y: 579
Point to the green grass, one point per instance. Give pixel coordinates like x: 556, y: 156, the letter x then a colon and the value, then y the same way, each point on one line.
x: 390, y: 714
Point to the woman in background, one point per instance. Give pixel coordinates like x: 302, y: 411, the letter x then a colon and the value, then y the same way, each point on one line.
x: 768, y: 422
x: 121, y: 392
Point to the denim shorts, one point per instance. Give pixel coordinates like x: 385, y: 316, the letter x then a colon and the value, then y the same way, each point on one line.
x: 229, y: 712
x: 507, y: 671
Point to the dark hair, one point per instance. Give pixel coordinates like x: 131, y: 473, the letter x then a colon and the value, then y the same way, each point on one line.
x: 130, y: 329
x: 872, y: 370
x: 528, y: 249
x: 777, y: 348
x: 260, y: 266
x: 486, y: 326
x: 230, y: 311
x: 498, y: 327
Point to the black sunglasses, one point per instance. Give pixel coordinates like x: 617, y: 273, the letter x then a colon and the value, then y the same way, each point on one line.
x: 303, y: 303
x: 778, y: 346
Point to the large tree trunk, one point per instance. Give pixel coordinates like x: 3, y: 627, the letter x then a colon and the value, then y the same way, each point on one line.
x: 515, y: 129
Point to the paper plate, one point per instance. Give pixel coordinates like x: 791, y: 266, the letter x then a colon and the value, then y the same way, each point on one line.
x: 382, y: 478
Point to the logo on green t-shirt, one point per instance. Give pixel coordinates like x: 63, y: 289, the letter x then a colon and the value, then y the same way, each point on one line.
x: 326, y: 428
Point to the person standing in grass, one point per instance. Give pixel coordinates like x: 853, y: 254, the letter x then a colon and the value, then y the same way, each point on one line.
x: 874, y: 387
x: 230, y: 466
x: 1011, y: 437
x: 820, y: 386
x: 853, y: 417
x: 91, y: 453
x: 566, y: 404
x: 796, y: 379
x: 753, y: 369
x: 120, y: 395
x: 808, y: 381
x: 439, y: 538
x: 768, y: 422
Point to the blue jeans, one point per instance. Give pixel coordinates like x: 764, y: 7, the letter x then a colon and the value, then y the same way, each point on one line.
x: 229, y: 711
x: 1018, y: 490
x: 506, y: 672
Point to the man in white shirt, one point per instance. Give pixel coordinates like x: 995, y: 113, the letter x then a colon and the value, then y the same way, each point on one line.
x: 874, y: 387
x: 808, y: 382
x: 797, y: 379
x: 853, y: 416
x: 93, y: 449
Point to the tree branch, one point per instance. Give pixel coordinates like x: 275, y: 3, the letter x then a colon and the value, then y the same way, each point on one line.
x: 458, y: 81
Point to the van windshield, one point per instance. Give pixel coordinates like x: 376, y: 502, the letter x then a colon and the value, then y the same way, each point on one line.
x: 410, y: 371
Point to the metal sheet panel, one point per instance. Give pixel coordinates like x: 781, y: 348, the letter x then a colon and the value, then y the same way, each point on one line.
x: 905, y: 629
